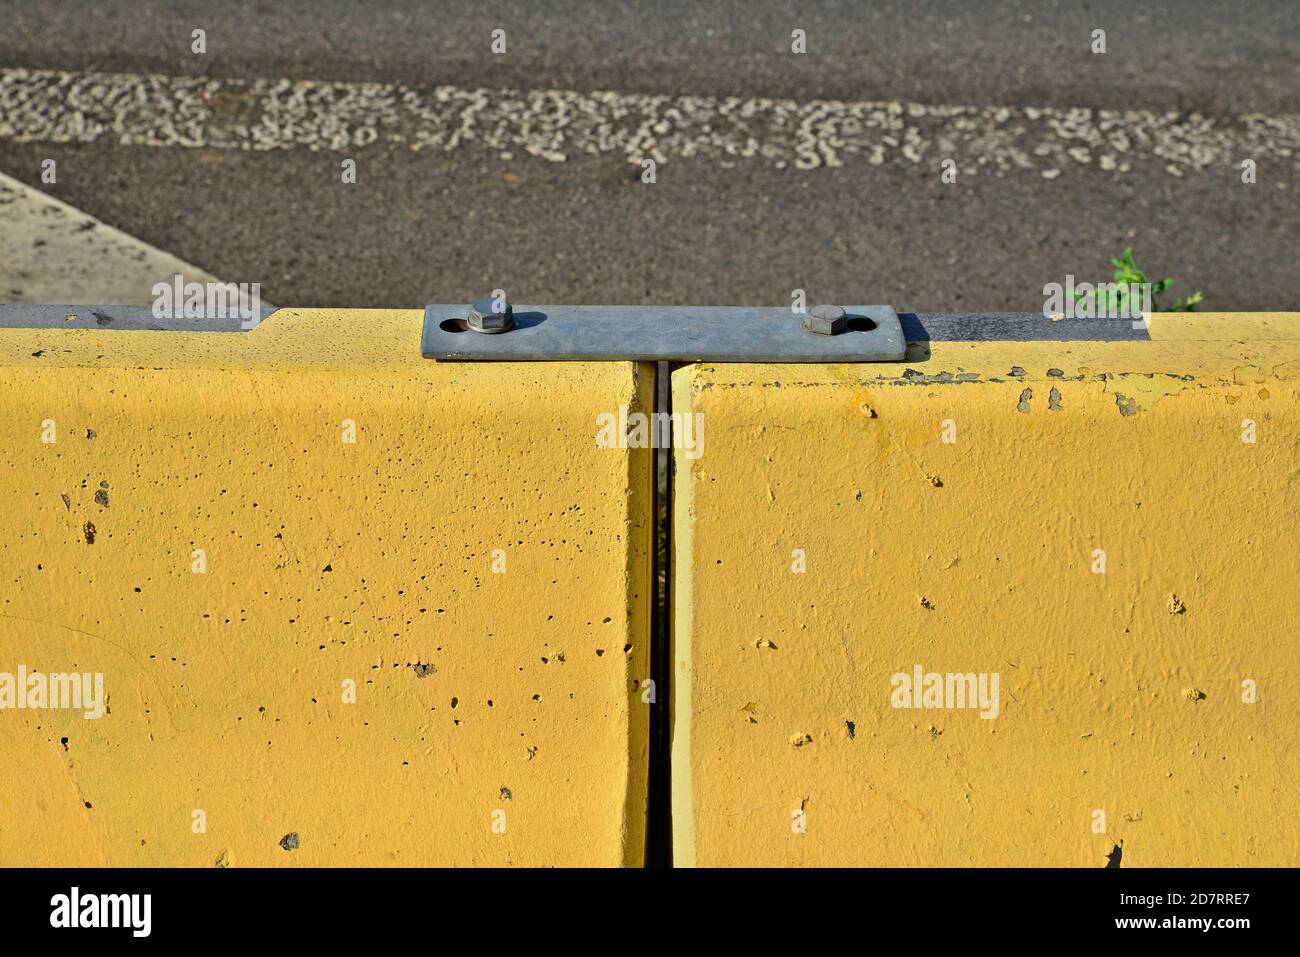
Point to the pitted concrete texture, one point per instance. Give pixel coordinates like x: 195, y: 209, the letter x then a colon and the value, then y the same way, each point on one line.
x: 350, y: 606
x: 1005, y: 603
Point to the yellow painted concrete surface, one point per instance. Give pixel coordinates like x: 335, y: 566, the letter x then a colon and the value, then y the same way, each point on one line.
x: 1101, y: 533
x: 202, y: 534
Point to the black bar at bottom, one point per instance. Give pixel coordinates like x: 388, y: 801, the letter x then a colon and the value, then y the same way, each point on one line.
x: 664, y: 908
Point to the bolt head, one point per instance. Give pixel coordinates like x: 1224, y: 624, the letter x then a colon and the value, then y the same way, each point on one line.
x: 826, y: 320
x: 484, y: 316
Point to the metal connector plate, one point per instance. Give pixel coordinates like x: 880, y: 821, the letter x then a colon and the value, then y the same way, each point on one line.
x: 663, y: 333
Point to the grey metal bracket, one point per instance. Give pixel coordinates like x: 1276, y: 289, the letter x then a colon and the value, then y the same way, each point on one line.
x: 674, y: 333
x: 657, y: 333
x: 134, y: 318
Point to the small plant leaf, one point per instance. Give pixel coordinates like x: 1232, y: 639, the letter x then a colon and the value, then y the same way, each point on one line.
x: 1127, y: 275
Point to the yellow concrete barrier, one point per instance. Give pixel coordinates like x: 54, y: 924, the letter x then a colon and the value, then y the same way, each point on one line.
x: 349, y: 606
x: 1020, y: 603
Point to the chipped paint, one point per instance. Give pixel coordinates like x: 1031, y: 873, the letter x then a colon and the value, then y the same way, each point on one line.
x: 1121, y: 690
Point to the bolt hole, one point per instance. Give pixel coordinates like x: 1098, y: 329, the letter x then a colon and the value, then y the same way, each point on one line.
x: 453, y: 325
x: 861, y: 324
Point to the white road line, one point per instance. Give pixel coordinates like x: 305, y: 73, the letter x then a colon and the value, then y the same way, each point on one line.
x: 51, y: 252
x: 62, y: 107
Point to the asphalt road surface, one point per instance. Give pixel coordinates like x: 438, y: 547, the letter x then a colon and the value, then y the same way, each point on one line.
x: 774, y: 170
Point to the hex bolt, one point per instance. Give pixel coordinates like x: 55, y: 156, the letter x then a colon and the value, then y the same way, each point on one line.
x: 826, y: 320
x: 484, y: 317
